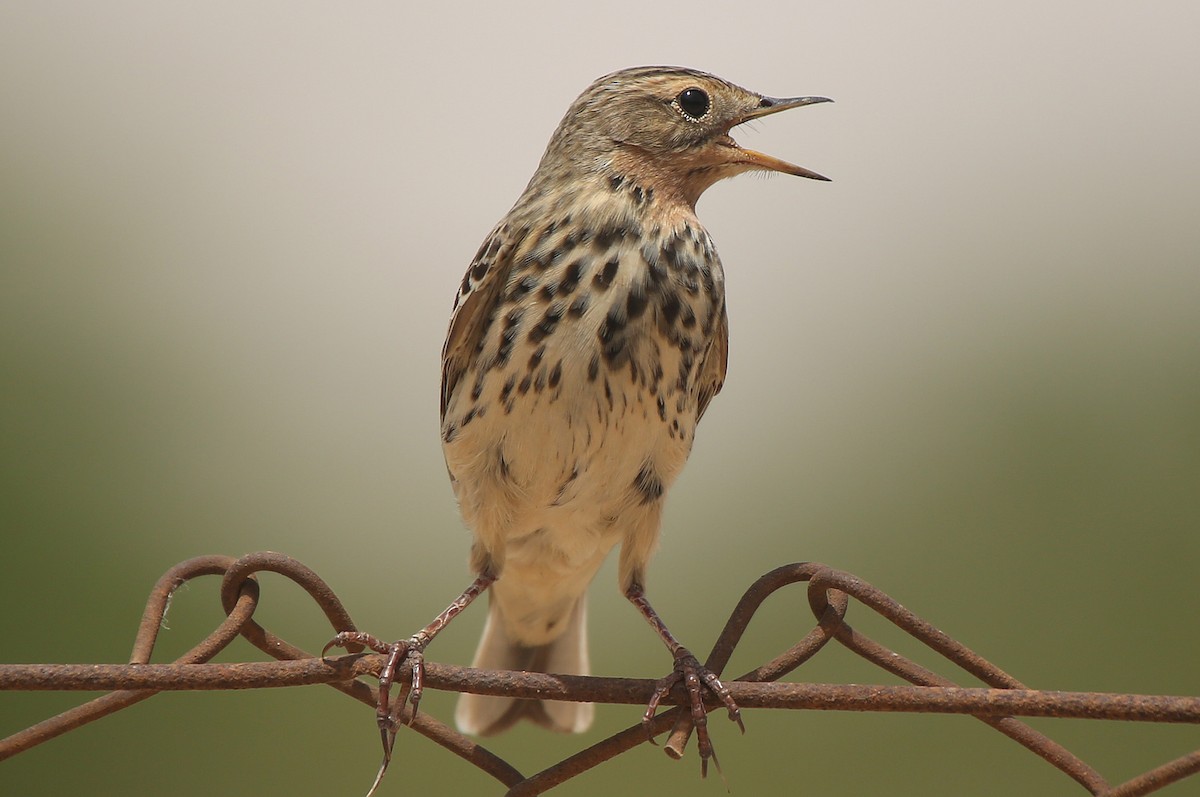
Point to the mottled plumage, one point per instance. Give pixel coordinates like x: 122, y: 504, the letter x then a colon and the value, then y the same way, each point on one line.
x: 588, y: 337
x: 577, y: 365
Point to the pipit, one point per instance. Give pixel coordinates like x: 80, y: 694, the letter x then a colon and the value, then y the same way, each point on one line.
x: 587, y: 339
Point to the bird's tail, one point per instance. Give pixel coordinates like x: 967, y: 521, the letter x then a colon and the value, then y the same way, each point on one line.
x: 484, y: 715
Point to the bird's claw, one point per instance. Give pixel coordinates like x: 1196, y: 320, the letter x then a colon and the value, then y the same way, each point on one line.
x: 407, y: 652
x: 695, y: 678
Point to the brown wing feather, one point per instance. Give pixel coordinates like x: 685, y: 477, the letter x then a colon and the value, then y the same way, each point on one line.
x: 474, y: 305
x: 712, y: 370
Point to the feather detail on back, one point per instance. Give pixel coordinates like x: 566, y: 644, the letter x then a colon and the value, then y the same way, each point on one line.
x: 475, y: 306
x: 712, y: 370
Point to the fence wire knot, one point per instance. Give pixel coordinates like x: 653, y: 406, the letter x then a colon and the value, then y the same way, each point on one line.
x: 829, y: 595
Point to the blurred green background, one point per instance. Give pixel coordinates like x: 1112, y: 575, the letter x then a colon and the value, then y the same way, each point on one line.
x: 968, y: 370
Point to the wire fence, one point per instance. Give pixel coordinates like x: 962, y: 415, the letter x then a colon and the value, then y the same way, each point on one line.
x: 829, y: 594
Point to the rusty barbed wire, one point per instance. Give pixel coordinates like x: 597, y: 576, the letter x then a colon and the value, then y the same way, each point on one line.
x: 829, y: 592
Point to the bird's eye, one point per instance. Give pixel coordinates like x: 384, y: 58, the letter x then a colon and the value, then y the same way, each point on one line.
x: 693, y: 102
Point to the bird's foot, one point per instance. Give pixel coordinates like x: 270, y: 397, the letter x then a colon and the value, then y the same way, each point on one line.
x: 405, y: 653
x: 695, y: 678
x: 408, y: 653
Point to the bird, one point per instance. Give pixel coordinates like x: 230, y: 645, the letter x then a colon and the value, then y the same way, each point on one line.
x: 587, y: 339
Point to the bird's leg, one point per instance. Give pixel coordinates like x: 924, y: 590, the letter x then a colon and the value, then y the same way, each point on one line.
x: 694, y: 676
x: 411, y: 651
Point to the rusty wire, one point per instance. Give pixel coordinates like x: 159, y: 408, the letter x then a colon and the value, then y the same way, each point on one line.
x: 829, y: 594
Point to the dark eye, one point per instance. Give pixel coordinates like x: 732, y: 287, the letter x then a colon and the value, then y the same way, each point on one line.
x: 693, y: 102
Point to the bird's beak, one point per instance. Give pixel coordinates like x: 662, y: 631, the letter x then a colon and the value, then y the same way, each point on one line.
x: 757, y: 160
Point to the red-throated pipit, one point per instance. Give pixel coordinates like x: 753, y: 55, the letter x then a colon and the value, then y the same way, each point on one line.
x: 588, y: 337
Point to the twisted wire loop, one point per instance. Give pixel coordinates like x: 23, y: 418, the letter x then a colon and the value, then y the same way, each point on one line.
x: 829, y: 593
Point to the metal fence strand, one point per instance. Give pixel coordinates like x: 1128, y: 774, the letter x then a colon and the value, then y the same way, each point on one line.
x: 829, y: 595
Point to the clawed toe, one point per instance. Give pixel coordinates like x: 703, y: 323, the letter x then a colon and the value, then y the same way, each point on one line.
x: 408, y: 651
x: 355, y: 639
x: 695, y: 679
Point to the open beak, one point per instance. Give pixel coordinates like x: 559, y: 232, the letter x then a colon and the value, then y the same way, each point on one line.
x: 758, y: 160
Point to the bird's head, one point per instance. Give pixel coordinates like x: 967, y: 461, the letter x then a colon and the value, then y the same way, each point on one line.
x: 668, y: 128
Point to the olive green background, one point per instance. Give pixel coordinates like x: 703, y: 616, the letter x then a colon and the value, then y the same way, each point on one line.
x: 967, y: 370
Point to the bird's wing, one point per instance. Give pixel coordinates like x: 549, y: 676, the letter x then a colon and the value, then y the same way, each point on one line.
x: 712, y: 370
x: 475, y: 306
